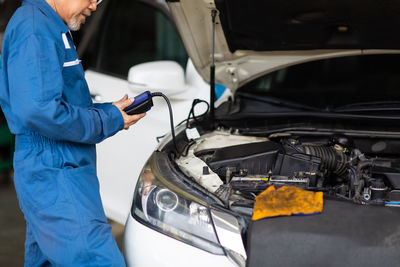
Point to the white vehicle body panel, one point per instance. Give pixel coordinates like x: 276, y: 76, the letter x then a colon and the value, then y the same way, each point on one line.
x: 145, y: 247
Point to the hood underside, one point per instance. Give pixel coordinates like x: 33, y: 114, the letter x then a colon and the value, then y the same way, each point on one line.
x: 253, y: 38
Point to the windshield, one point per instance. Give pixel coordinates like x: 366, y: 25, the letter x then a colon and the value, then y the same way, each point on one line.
x: 331, y: 83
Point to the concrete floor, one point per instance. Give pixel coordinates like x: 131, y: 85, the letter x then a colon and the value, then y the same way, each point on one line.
x: 12, y: 228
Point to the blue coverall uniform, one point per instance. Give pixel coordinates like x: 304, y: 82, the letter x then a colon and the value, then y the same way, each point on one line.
x: 45, y: 98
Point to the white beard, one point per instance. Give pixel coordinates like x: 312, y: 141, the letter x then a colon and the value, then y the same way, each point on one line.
x: 74, y: 24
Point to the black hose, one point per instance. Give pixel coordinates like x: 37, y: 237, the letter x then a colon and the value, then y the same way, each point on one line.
x: 191, y: 112
x: 331, y: 159
x: 171, y: 118
x: 185, y: 150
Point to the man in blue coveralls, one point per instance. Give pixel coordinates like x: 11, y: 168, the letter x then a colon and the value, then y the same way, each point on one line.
x: 45, y: 98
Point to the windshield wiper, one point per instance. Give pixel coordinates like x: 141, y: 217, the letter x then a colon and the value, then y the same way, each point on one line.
x: 369, y: 106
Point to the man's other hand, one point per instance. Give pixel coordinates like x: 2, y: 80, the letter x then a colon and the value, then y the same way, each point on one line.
x: 129, y: 120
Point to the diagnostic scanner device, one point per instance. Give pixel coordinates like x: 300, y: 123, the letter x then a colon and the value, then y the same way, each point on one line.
x: 142, y: 104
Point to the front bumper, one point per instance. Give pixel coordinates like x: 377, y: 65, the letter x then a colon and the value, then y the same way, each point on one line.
x: 145, y: 247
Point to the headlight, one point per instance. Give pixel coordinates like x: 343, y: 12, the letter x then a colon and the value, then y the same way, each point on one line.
x: 167, y: 212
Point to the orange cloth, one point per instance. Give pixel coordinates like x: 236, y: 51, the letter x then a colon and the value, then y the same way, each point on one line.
x: 287, y: 200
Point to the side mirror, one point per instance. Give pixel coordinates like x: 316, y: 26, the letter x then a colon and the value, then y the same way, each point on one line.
x: 167, y: 77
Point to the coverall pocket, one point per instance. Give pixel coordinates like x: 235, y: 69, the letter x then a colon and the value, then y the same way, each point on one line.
x: 83, y: 187
x: 36, y: 185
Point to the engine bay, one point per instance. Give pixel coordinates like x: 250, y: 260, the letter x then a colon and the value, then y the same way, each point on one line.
x: 236, y: 168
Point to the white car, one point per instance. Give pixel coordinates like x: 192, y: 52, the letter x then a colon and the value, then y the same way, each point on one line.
x: 315, y: 106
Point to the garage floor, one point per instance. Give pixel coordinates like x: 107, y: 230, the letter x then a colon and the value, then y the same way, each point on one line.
x: 12, y: 228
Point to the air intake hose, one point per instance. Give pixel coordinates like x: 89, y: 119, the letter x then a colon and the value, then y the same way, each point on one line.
x: 331, y: 159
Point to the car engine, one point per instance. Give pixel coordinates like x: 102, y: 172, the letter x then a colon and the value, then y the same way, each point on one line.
x: 333, y: 164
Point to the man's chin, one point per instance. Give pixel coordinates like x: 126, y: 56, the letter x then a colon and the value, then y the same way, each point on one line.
x: 75, y: 24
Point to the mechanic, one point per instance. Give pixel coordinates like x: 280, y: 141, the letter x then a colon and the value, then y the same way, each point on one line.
x: 46, y: 101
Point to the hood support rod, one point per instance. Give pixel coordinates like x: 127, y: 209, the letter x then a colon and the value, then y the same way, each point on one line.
x: 212, y: 68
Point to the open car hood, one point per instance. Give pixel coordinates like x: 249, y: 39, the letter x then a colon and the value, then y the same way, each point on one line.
x: 253, y: 38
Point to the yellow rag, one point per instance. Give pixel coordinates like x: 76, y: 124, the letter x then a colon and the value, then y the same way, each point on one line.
x: 287, y: 200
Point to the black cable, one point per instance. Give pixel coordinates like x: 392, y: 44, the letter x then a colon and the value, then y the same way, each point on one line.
x: 191, y: 112
x: 162, y: 136
x: 185, y: 150
x: 170, y: 118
